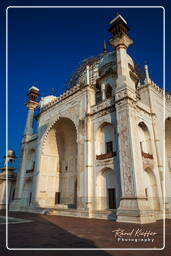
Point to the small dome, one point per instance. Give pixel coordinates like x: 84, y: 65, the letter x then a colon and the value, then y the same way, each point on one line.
x: 107, y: 63
x: 46, y: 100
x: 11, y: 153
x: 34, y: 88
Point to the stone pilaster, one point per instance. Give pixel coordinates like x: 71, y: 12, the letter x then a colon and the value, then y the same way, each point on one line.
x: 89, y: 151
x: 133, y: 205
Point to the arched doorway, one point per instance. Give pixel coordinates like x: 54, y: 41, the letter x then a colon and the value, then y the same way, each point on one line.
x: 107, y: 190
x: 61, y: 161
x: 145, y: 140
x: 151, y: 191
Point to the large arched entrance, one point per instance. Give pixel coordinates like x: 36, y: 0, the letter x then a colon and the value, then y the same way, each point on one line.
x: 61, y: 159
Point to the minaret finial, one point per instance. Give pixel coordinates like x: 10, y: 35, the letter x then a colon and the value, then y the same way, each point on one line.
x: 147, y: 78
x: 53, y: 91
x: 104, y: 48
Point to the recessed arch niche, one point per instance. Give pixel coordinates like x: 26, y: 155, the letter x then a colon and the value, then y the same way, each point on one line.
x: 60, y: 162
x: 107, y: 190
x: 145, y: 138
x: 151, y: 191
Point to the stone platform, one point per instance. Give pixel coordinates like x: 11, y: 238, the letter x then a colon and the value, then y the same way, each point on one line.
x: 70, y: 212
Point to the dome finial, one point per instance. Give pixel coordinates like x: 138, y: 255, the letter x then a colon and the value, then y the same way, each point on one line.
x: 104, y: 48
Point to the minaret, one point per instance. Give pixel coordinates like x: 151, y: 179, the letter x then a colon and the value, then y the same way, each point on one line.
x: 133, y: 203
x: 31, y: 104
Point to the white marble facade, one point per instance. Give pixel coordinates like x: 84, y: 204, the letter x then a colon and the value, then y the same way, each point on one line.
x: 99, y: 147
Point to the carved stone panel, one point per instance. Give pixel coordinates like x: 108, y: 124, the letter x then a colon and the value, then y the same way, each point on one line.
x: 126, y: 162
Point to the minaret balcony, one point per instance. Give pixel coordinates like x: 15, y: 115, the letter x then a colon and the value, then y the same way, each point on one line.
x: 106, y: 104
x: 147, y: 155
x: 105, y: 156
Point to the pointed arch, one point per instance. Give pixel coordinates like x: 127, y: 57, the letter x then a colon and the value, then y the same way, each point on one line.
x: 151, y: 190
x: 107, y: 190
x: 59, y: 162
x: 49, y: 128
x: 145, y: 140
x: 105, y: 139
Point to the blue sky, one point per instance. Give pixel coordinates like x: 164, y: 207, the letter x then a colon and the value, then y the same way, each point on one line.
x: 46, y: 45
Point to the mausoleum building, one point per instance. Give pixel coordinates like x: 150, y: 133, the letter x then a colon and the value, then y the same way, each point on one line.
x: 99, y: 147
